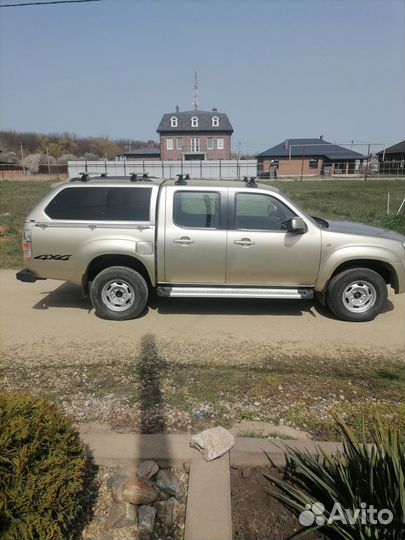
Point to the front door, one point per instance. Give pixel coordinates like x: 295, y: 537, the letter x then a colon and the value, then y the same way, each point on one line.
x: 261, y: 252
x: 195, y: 237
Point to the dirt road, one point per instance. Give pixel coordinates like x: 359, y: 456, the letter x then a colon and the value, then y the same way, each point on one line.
x: 52, y: 314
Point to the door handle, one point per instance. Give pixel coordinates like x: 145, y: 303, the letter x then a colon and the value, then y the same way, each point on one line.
x: 244, y: 242
x: 184, y: 241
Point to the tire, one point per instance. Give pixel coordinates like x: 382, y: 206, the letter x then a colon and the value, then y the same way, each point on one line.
x: 118, y: 293
x: 356, y: 295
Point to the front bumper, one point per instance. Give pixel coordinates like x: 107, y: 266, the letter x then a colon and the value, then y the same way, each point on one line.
x: 27, y: 276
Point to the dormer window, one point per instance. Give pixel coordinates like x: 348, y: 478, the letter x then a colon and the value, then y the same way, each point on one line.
x: 215, y: 121
x: 194, y: 121
x: 173, y: 121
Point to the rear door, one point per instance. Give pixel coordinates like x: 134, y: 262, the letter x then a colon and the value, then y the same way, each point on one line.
x: 195, y: 235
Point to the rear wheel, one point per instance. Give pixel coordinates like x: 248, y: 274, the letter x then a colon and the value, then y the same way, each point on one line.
x: 118, y: 293
x: 357, y: 295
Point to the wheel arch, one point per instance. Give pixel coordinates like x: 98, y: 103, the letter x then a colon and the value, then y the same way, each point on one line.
x: 384, y: 269
x: 102, y: 262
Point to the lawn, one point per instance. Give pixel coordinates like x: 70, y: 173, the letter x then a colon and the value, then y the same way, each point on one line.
x: 353, y: 200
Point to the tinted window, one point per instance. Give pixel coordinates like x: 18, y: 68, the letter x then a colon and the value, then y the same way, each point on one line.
x: 128, y: 204
x: 260, y: 212
x: 196, y: 209
x: 101, y: 203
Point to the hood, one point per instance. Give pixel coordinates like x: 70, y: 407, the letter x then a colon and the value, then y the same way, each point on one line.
x: 350, y: 227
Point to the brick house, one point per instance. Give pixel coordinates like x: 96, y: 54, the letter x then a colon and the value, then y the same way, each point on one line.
x: 142, y: 154
x: 195, y: 135
x: 309, y: 157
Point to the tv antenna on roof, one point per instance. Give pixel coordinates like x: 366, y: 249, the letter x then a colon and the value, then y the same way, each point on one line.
x: 195, y: 92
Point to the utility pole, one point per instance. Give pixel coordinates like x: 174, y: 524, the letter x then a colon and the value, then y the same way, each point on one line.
x: 302, y: 162
x: 367, y: 163
x: 22, y: 157
x: 47, y: 156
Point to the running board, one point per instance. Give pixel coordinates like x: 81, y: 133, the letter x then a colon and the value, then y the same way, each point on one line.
x: 235, y: 292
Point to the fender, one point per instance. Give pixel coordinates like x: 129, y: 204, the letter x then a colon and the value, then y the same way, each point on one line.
x: 141, y: 250
x: 350, y: 253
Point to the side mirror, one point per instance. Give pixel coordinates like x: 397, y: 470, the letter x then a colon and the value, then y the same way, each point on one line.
x: 296, y: 225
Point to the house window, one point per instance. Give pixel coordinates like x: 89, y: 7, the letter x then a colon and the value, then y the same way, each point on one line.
x: 195, y: 144
x: 173, y: 121
x: 215, y: 121
x: 169, y: 144
x: 194, y: 121
x: 210, y: 143
x: 220, y: 143
x: 180, y: 143
x: 313, y: 163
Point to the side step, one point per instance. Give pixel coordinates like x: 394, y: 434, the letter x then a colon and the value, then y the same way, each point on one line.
x: 235, y: 292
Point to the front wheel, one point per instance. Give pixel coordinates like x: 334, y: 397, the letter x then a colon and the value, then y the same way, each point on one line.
x: 118, y: 293
x: 357, y: 295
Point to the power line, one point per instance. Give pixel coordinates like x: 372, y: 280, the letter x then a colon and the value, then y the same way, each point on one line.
x: 22, y: 4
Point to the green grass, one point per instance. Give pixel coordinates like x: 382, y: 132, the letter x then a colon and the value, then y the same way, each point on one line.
x: 353, y: 200
x: 16, y: 200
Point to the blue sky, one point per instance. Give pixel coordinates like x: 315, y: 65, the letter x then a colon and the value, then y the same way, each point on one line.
x: 279, y: 68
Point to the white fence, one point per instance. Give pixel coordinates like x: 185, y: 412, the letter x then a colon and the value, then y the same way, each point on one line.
x: 226, y: 169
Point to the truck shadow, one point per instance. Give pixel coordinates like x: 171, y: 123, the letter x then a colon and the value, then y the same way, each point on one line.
x: 70, y: 296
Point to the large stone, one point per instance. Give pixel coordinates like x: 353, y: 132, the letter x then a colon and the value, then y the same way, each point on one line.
x: 213, y: 443
x: 136, y: 491
x: 147, y: 516
x: 170, y: 512
x: 168, y: 482
x: 147, y: 469
x: 121, y: 514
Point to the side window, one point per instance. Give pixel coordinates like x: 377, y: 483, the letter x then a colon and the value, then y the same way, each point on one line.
x: 82, y: 203
x: 196, y: 209
x: 260, y: 212
x: 128, y: 204
x: 101, y: 204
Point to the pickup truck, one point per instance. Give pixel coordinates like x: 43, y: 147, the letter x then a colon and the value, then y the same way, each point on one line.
x: 119, y: 238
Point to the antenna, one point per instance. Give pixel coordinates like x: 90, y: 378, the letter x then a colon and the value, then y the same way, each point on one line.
x: 195, y: 92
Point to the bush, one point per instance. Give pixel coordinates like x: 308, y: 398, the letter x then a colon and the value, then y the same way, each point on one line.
x: 46, y: 475
x: 361, y: 477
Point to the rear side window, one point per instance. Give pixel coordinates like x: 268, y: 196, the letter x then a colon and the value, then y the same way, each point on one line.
x: 101, y: 204
x: 196, y: 209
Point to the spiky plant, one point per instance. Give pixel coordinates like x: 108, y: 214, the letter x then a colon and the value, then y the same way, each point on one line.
x: 360, y: 477
x: 46, y: 475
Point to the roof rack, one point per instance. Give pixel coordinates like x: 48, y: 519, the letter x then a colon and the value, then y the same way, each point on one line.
x: 252, y: 182
x: 181, y: 181
x: 136, y: 178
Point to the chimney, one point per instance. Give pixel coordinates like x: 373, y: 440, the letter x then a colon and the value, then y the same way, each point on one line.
x: 177, y: 109
x: 286, y: 144
x: 321, y: 137
x: 214, y: 109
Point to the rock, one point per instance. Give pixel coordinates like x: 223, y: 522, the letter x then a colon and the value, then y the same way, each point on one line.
x: 170, y: 512
x: 168, y: 482
x: 134, y: 491
x: 121, y: 514
x: 147, y: 516
x: 123, y: 533
x: 213, y: 443
x: 147, y: 469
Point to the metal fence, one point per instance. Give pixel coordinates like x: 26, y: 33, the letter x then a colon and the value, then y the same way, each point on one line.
x: 391, y: 168
x: 223, y: 169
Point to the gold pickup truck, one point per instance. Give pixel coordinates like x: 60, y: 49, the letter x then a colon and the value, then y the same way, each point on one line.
x: 120, y: 237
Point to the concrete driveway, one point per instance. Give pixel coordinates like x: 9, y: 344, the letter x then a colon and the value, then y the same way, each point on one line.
x: 35, y: 315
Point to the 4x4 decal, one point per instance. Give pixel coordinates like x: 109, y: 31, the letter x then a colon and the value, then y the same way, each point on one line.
x: 50, y: 257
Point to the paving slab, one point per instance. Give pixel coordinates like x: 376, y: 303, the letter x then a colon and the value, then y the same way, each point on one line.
x: 209, y: 515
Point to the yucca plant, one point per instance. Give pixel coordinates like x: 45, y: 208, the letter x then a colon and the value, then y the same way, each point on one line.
x: 363, y: 478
